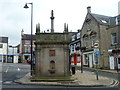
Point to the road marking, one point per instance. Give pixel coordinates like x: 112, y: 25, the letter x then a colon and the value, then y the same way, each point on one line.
x: 116, y: 83
x: 8, y: 82
x: 7, y: 69
x: 18, y: 69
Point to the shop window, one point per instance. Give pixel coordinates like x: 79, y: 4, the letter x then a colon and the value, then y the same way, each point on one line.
x: 78, y: 59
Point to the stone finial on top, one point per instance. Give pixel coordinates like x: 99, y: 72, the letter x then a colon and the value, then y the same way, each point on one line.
x: 65, y: 27
x: 22, y: 32
x: 52, y: 13
x: 38, y: 28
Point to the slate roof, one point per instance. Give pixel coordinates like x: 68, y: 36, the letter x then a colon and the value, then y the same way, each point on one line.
x: 107, y: 20
x: 28, y: 36
x: 101, y: 19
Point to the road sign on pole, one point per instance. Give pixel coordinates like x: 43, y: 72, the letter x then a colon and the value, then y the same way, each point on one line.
x: 96, y: 50
x: 97, y: 53
x: 96, y: 44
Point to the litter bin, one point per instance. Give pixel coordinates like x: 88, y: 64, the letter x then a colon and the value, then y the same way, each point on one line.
x: 73, y: 70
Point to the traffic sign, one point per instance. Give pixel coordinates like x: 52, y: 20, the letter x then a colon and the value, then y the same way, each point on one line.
x: 97, y: 53
x: 96, y: 44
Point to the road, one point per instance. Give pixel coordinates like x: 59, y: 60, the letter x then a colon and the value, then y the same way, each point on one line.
x: 11, y: 72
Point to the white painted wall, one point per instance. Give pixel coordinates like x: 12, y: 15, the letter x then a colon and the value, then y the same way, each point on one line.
x: 4, y: 49
x: 15, y: 59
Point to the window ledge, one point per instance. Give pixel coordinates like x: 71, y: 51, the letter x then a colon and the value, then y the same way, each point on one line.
x: 114, y: 44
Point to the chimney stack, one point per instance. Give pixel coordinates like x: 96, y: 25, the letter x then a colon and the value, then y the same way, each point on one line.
x: 89, y: 9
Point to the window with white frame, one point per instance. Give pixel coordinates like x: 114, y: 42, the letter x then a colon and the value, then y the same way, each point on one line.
x: 73, y: 37
x: 72, y: 48
x: 78, y: 35
x: 114, y: 38
x: 78, y: 59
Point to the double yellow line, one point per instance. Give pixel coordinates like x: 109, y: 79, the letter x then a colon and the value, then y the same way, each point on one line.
x: 116, y: 83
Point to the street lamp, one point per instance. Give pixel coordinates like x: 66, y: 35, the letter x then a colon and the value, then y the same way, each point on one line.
x: 31, y: 32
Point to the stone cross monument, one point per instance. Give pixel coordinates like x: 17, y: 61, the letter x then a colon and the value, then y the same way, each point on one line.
x: 52, y: 53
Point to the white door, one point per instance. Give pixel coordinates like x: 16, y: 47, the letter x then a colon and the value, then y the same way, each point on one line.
x: 111, y: 58
x: 90, y: 60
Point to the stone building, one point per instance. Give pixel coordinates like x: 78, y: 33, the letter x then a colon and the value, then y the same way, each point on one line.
x: 94, y: 29
x: 25, y: 46
x: 52, y: 52
x: 114, y: 41
x: 98, y: 28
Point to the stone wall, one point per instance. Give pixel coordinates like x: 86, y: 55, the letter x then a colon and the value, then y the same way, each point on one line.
x: 57, y: 43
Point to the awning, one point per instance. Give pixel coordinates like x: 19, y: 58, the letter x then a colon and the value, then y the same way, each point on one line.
x: 11, y: 55
x: 26, y: 54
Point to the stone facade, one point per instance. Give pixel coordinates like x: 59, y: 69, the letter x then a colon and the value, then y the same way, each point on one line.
x: 114, y: 46
x: 52, y: 54
x: 100, y: 28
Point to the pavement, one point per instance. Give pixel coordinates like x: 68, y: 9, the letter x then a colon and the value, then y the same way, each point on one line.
x: 85, y: 79
x: 103, y: 70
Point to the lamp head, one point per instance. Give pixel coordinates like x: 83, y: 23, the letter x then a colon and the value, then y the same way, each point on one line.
x: 26, y: 6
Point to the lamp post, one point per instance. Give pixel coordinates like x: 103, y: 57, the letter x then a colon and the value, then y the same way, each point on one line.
x: 31, y: 33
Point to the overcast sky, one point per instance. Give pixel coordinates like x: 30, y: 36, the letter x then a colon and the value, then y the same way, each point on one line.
x: 14, y: 17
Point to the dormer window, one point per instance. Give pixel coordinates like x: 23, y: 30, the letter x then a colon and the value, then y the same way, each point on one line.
x: 103, y: 21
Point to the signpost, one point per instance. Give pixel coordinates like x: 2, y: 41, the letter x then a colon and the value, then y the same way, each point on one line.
x: 96, y: 50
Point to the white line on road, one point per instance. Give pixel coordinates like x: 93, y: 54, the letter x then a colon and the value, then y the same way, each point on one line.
x: 7, y: 69
x: 18, y: 69
x: 8, y: 82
